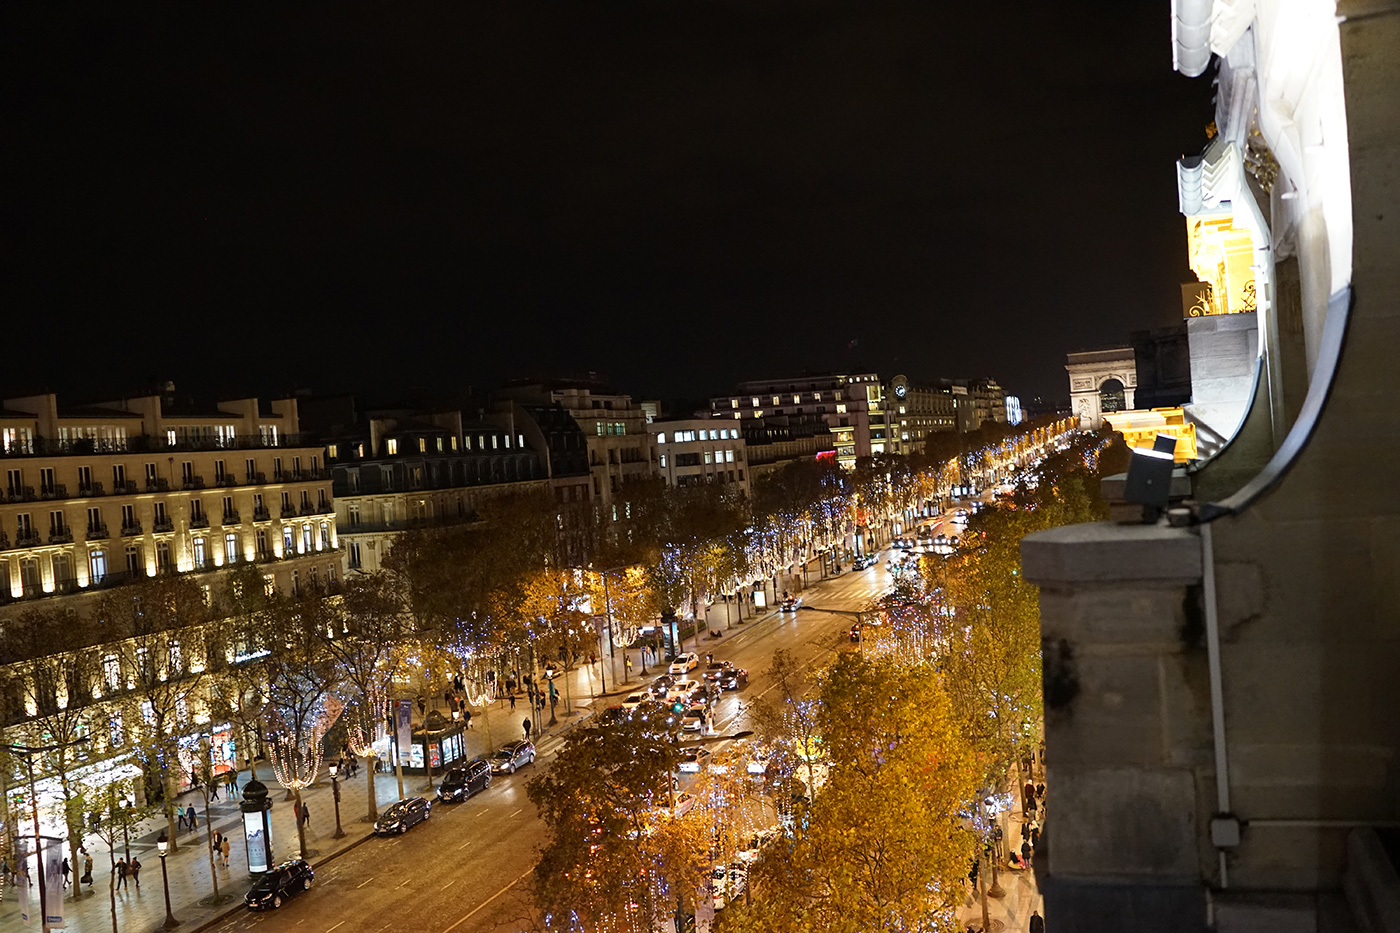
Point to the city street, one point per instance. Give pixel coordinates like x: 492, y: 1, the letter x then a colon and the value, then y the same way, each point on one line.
x: 460, y: 870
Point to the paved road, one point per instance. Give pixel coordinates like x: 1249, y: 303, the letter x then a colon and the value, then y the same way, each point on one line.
x: 459, y: 872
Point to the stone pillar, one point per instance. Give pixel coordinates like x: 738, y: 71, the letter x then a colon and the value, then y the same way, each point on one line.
x: 1127, y: 727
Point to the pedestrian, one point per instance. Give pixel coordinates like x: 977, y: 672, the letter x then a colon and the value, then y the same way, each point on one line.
x: 1026, y: 853
x: 194, y: 819
x: 629, y: 667
x: 225, y: 848
x: 213, y: 790
x: 1040, y: 792
x: 512, y: 700
x: 232, y: 783
x: 87, y: 870
x: 121, y: 873
x: 67, y: 872
x: 136, y: 871
x: 1037, y: 923
x: 179, y: 816
x: 467, y: 716
x: 447, y: 698
x: 1035, y: 836
x: 305, y: 815
x: 526, y: 723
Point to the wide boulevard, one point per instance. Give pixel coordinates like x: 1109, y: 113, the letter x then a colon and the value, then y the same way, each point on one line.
x: 462, y: 870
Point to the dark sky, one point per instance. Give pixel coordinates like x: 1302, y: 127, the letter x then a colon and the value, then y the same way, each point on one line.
x: 676, y: 194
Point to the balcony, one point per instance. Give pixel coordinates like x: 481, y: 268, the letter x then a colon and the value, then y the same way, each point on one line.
x: 97, y: 531
x: 199, y: 521
x: 159, y: 484
x: 231, y: 517
x: 325, y: 508
x: 261, y: 514
x: 131, y: 529
x: 308, y: 509
x: 162, y: 526
x: 193, y: 482
x: 145, y: 443
x: 226, y: 479
x: 4, y: 541
x: 125, y: 487
x: 22, y: 494
x: 289, y: 511
x: 61, y: 534
x: 257, y: 479
x: 91, y: 489
x: 54, y: 491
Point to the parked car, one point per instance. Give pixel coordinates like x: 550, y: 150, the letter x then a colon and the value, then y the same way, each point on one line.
x: 290, y: 878
x: 403, y: 816
x: 512, y: 756
x: 685, y: 663
x: 694, y: 760
x: 460, y: 783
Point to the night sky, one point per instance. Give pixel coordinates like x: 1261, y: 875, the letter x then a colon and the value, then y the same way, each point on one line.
x: 677, y: 195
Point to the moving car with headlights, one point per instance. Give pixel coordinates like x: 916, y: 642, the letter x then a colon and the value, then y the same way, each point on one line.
x: 460, y: 783
x: 863, y: 561
x: 790, y: 603
x: 402, y: 816
x: 685, y: 663
x: 289, y: 878
x: 512, y: 756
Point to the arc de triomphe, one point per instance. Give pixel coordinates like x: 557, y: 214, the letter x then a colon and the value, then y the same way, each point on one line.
x: 1091, y: 383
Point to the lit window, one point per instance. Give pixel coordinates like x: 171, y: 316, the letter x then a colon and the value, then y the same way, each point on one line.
x: 734, y: 403
x: 661, y: 439
x: 776, y: 400
x: 755, y: 403
x: 392, y: 445
x: 709, y: 456
x: 439, y: 444
x: 758, y: 414
x: 714, y: 435
x: 330, y: 451
x: 841, y: 409
x: 663, y: 461
x: 797, y: 400
x: 729, y: 456
x: 816, y: 396
x: 736, y: 414
x: 422, y: 445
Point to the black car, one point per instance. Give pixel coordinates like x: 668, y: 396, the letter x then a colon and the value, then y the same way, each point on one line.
x: 733, y: 678
x: 512, y: 756
x: 403, y: 816
x: 460, y: 783
x: 291, y: 877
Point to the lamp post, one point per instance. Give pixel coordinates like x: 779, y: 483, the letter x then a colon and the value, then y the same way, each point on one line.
x: 335, y: 793
x: 162, y: 844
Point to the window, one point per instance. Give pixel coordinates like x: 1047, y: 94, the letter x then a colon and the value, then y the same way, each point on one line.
x: 816, y: 396
x: 115, y: 731
x: 219, y: 473
x: 201, y: 552
x: 729, y: 456
x: 422, y: 445
x: 352, y: 513
x: 663, y: 461
x: 229, y: 513
x: 177, y: 661
x: 709, y: 456
x: 111, y: 674
x: 97, y: 565
x: 231, y: 547
x: 56, y: 524
x: 161, y: 517
x: 714, y: 435
x: 330, y: 574
x: 163, y: 556
x: 296, y: 583
x: 777, y: 400
x: 797, y: 400
x: 14, y: 479
x: 289, y: 544
x: 250, y: 467
x: 306, y: 539
x: 47, y: 486
x: 392, y: 446
x: 260, y: 543
x: 128, y: 517
x: 186, y: 472
x: 755, y: 402
x: 94, y: 517
x: 355, y: 554
x: 134, y: 564
x: 661, y: 438
x: 841, y: 408
x: 325, y: 536
x: 331, y: 451
x: 118, y: 476
x: 84, y: 479
x: 151, y: 482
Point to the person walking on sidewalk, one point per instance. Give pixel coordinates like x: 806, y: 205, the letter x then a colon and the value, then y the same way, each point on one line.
x: 466, y: 716
x: 67, y: 872
x: 121, y: 873
x: 87, y: 870
x: 527, y: 724
x: 194, y: 818
x: 224, y: 849
x: 512, y: 700
x: 1037, y: 923
x: 136, y: 871
x: 305, y: 815
x: 179, y: 816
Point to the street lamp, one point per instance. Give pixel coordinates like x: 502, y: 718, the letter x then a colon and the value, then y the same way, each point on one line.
x: 162, y: 844
x: 335, y: 793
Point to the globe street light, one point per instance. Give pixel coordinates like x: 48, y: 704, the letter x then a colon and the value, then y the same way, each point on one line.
x: 162, y: 844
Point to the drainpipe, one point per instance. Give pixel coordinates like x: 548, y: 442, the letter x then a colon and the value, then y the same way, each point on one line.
x: 1224, y: 827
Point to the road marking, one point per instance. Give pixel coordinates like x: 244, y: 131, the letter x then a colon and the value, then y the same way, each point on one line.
x: 365, y: 882
x: 340, y: 924
x: 478, y: 907
x: 463, y: 846
x: 404, y: 882
x: 443, y: 888
x: 516, y: 813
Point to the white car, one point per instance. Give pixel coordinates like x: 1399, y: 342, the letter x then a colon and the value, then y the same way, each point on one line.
x: 682, y: 690
x: 685, y: 663
x: 635, y: 700
x: 696, y: 719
